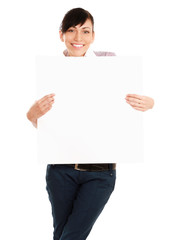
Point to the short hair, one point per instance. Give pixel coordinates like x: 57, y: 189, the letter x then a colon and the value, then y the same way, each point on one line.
x: 74, y: 17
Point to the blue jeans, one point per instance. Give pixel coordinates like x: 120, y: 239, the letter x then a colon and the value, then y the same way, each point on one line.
x: 77, y: 199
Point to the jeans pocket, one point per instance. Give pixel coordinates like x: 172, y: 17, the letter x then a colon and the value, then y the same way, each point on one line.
x: 109, y: 178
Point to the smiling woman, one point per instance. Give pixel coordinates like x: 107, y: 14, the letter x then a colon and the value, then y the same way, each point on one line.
x: 77, y: 38
x: 79, y: 192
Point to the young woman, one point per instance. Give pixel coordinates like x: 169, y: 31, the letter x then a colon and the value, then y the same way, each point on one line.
x: 79, y: 192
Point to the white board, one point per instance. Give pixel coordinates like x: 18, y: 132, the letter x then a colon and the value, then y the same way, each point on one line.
x: 90, y: 121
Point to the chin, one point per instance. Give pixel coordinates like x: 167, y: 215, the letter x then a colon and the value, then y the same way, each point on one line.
x: 78, y: 54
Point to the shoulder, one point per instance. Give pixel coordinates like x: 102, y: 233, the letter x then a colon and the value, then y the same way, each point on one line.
x: 101, y: 53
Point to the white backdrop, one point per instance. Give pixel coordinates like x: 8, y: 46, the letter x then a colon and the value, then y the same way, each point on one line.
x: 141, y: 205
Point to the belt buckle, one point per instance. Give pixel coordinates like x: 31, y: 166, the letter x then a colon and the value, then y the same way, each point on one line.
x: 79, y: 169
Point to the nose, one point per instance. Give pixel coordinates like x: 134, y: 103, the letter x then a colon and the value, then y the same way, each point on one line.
x: 78, y: 36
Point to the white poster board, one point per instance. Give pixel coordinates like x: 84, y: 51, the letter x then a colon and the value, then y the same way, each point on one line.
x: 90, y: 121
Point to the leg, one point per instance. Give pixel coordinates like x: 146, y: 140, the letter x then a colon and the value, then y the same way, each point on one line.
x: 93, y: 194
x: 62, y: 189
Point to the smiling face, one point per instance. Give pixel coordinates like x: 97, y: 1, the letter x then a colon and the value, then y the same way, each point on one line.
x: 78, y: 39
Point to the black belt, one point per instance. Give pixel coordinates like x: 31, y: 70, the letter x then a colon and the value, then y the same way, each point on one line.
x: 94, y: 167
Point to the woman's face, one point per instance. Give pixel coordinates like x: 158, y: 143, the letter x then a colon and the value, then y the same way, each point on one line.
x: 78, y: 39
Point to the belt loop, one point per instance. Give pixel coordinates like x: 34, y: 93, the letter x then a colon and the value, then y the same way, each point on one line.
x: 110, y: 167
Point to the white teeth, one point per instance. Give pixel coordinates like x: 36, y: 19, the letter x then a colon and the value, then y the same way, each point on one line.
x: 75, y: 45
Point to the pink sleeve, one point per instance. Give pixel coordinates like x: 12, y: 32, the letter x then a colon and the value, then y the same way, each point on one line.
x: 105, y: 53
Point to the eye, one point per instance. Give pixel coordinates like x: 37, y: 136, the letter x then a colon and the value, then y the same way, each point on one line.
x: 86, y: 32
x: 70, y: 30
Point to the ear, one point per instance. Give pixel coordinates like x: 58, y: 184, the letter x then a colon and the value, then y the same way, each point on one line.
x: 61, y: 36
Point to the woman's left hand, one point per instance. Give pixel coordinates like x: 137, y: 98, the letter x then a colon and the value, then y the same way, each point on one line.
x: 140, y: 103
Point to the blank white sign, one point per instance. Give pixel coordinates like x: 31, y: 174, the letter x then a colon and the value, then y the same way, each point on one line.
x: 90, y: 121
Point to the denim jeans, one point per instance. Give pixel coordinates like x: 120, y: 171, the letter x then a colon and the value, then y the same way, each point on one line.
x: 77, y: 199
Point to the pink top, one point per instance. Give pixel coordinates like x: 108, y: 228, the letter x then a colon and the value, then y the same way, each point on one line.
x: 97, y: 53
x: 100, y: 53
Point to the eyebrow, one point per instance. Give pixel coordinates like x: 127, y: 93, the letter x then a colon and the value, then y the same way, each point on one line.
x: 86, y: 27
x: 83, y: 27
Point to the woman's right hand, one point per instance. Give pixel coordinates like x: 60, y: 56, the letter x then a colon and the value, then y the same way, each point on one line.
x: 40, y: 107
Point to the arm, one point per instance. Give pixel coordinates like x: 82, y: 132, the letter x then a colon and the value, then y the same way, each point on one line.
x: 140, y: 103
x: 39, y: 108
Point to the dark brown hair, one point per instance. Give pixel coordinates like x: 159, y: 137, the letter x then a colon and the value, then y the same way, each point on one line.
x: 74, y: 17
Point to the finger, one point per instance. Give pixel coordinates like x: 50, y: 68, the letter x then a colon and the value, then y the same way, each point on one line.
x: 46, y: 97
x: 44, y: 110
x: 42, y: 107
x: 135, y: 104
x: 46, y: 100
x: 47, y: 108
x: 134, y: 96
x: 50, y: 96
x: 139, y: 109
x: 130, y: 99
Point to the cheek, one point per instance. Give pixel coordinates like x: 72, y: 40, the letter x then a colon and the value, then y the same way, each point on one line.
x: 90, y: 40
x: 87, y: 41
x: 67, y: 39
x: 68, y: 42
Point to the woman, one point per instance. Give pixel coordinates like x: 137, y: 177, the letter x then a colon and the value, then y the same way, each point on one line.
x: 79, y: 192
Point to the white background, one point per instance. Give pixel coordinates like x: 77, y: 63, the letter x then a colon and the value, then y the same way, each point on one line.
x: 141, y: 205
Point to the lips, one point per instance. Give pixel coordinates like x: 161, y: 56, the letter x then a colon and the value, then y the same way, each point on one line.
x: 78, y: 46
